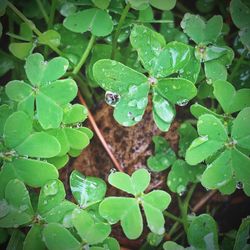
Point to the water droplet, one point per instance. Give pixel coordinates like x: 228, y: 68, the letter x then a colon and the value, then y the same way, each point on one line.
x: 239, y: 185
x: 132, y: 89
x: 138, y: 118
x: 181, y: 190
x: 112, y: 170
x: 112, y: 98
x: 51, y: 188
x: 113, y: 63
x: 183, y: 102
x: 141, y: 104
x: 132, y: 103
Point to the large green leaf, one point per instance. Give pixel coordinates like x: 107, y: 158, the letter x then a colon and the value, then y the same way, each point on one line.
x: 33, y: 239
x: 56, y: 237
x: 32, y: 172
x: 230, y: 99
x: 153, y: 209
x: 87, y: 229
x: 240, y: 129
x: 89, y: 20
x: 203, y: 230
x: 87, y: 190
x: 177, y: 90
x: 40, y: 72
x: 199, y: 31
x: 39, y: 144
x: 135, y: 184
x: 20, y: 210
x: 126, y: 210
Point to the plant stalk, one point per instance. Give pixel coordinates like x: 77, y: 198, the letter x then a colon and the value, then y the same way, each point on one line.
x: 41, y: 8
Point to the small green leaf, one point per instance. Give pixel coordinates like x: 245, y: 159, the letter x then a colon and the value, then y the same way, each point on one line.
x: 102, y: 4
x: 39, y: 144
x: 135, y: 184
x: 240, y: 129
x: 126, y: 210
x: 87, y: 229
x: 59, y: 161
x: 87, y: 190
x: 164, y: 155
x: 40, y: 72
x: 21, y: 50
x: 33, y: 239
x: 89, y: 20
x: 214, y: 70
x: 5, y: 112
x: 230, y: 99
x: 163, y: 5
x: 21, y: 211
x: 177, y: 90
x: 242, y: 237
x: 56, y: 237
x: 171, y: 245
x: 202, y: 229
x: 14, y: 136
x: 153, y: 209
x: 74, y: 114
x: 199, y: 31
x: 50, y: 38
x: 197, y: 110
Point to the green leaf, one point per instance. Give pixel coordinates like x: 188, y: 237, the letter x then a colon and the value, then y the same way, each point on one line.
x: 40, y: 72
x: 161, y: 124
x: 199, y: 31
x: 177, y: 90
x: 219, y: 172
x: 245, y: 37
x: 202, y: 229
x: 102, y: 4
x: 21, y: 50
x: 5, y: 112
x: 87, y: 229
x: 33, y: 239
x: 6, y: 63
x: 14, y: 136
x: 32, y: 172
x: 135, y: 184
x: 163, y: 5
x: 74, y: 114
x: 159, y: 59
x: 213, y: 136
x: 59, y: 161
x: 241, y: 241
x: 187, y: 134
x: 51, y: 195
x: 164, y: 155
x: 214, y: 70
x: 89, y: 20
x: 56, y: 237
x: 240, y: 129
x: 171, y: 245
x: 126, y: 88
x: 87, y: 190
x: 20, y: 209
x: 139, y: 4
x: 231, y: 100
x: 50, y: 38
x: 153, y: 209
x: 126, y: 210
x: 197, y: 110
x: 181, y: 174
x: 39, y: 144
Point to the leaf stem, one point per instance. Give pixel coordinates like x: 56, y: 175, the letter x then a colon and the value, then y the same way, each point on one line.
x: 84, y: 55
x: 118, y: 29
x: 52, y: 13
x: 173, y: 217
x: 236, y: 67
x: 41, y: 8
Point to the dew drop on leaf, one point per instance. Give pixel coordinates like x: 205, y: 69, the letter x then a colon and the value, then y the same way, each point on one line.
x: 239, y: 185
x: 112, y: 98
x: 51, y: 188
x: 112, y: 170
x: 183, y: 102
x: 181, y: 190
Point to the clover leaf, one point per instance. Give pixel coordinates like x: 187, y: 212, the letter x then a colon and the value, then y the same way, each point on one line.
x: 231, y: 164
x: 203, y: 232
x: 127, y: 210
x: 181, y: 174
x: 89, y: 20
x: 87, y: 190
x: 164, y: 155
x: 45, y: 94
x: 127, y: 90
x: 143, y: 4
x: 16, y: 208
x: 242, y: 236
x: 33, y: 239
x: 231, y: 100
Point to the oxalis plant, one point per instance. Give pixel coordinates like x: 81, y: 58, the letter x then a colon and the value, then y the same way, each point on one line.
x: 182, y: 62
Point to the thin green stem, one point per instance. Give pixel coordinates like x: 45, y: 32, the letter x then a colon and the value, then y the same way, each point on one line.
x: 12, y: 35
x: 41, y: 8
x: 84, y: 55
x: 118, y: 29
x: 173, y: 217
x: 154, y: 21
x: 173, y: 228
x: 31, y: 25
x: 236, y: 67
x: 52, y: 14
